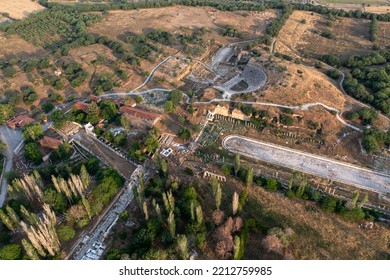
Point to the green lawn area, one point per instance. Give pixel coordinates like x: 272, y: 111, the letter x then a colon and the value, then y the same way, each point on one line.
x: 367, y: 2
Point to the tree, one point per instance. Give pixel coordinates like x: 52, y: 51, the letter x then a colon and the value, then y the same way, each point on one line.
x: 9, y: 71
x: 6, y: 111
x: 164, y: 167
x: 56, y: 200
x: 218, y: 196
x: 237, y: 164
x: 93, y: 113
x: 235, y: 203
x: 226, y: 170
x: 249, y: 177
x: 182, y: 246
x: 329, y: 204
x: 171, y: 224
x: 6, y: 220
x: 11, y: 252
x: 47, y: 107
x: 84, y: 175
x: 30, y: 250
x: 184, y: 133
x: 125, y: 123
x: 151, y: 144
x: 236, y: 247
x: 32, y: 153
x: 42, y: 233
x: 29, y: 187
x: 32, y: 132
x: 138, y: 99
x: 65, y: 233
x: 3, y: 146
x: 175, y: 96
x: 58, y: 118
x: 271, y: 184
x: 370, y: 144
x: 120, y: 139
x: 109, y: 110
x: 169, y: 107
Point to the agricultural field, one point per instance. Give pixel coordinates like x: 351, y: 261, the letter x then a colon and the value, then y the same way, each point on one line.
x: 18, y: 9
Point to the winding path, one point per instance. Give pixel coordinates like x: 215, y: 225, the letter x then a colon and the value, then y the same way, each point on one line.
x: 215, y: 100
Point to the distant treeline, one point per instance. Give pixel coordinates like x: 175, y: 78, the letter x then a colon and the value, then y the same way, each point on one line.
x: 222, y: 5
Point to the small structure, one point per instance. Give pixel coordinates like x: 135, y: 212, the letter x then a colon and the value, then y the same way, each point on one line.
x: 224, y: 111
x: 20, y: 121
x: 147, y: 116
x: 166, y: 152
x: 81, y: 106
x: 50, y: 143
x: 89, y: 129
x: 69, y: 129
x: 94, y: 98
x: 58, y: 72
x: 121, y: 102
x: 208, y: 174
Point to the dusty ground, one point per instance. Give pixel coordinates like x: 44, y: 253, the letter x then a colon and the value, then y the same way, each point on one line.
x: 301, y: 84
x: 378, y: 9
x: 320, y: 235
x: 14, y: 46
x: 18, y: 9
x: 352, y: 36
x: 181, y: 19
x: 384, y: 34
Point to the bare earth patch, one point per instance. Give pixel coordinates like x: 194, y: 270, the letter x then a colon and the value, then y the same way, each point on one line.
x: 18, y: 9
x: 14, y: 46
x: 321, y: 235
x: 301, y: 84
x: 351, y: 35
x: 181, y: 19
x: 384, y: 34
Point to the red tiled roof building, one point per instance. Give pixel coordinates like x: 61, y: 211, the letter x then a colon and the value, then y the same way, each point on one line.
x: 20, y: 121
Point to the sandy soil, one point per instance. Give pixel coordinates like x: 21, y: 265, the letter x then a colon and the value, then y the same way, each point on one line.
x: 18, y: 9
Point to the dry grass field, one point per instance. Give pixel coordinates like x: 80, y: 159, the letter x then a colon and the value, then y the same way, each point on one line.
x: 14, y: 46
x: 299, y: 85
x: 351, y: 35
x: 182, y: 19
x: 384, y: 34
x: 320, y: 235
x: 18, y: 9
x: 378, y: 9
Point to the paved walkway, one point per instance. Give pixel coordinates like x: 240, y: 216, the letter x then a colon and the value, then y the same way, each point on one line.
x: 12, y: 137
